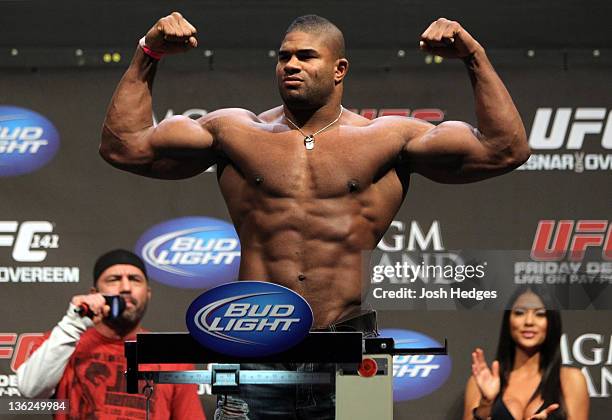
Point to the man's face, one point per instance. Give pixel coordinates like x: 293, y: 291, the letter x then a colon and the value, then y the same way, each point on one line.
x: 131, y: 284
x: 305, y: 70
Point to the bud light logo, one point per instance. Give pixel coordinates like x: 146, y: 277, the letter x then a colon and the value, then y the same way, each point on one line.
x: 415, y: 376
x: 249, y: 319
x: 191, y: 252
x: 28, y: 141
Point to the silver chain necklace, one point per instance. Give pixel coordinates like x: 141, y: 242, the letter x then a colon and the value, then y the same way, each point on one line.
x: 309, y: 139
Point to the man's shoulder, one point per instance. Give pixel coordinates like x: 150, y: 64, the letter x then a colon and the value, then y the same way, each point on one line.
x: 233, y: 115
x: 271, y: 115
x: 350, y: 118
x: 398, y: 121
x: 405, y: 127
x: 386, y: 127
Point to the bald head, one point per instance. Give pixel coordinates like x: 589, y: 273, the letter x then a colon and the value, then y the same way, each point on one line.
x: 317, y: 25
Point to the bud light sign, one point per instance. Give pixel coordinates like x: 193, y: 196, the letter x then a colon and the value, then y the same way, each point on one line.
x: 28, y: 141
x: 249, y: 319
x: 191, y: 252
x: 415, y: 376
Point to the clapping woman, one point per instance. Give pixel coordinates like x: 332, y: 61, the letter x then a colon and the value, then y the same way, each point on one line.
x: 527, y: 381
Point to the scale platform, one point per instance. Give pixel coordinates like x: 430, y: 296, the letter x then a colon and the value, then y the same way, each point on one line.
x: 363, y: 375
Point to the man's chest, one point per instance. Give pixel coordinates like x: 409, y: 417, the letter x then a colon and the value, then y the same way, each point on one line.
x: 340, y: 162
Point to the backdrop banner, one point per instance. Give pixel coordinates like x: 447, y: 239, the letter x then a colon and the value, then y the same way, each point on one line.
x: 62, y: 206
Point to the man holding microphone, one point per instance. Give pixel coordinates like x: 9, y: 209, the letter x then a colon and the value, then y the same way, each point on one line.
x: 82, y: 359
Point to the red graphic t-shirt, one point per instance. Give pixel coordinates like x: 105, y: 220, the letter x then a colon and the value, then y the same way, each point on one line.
x: 94, y: 383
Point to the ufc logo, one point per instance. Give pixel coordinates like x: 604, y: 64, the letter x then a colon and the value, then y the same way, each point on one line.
x: 26, y: 237
x: 17, y: 348
x: 586, y: 121
x: 571, y: 238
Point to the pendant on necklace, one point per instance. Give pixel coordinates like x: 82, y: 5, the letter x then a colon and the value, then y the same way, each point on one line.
x: 309, y: 142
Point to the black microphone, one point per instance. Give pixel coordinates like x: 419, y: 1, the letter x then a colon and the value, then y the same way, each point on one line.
x: 116, y: 303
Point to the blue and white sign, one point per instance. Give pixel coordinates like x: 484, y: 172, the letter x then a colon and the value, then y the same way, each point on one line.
x: 28, y: 141
x: 415, y: 376
x: 191, y: 252
x: 249, y: 319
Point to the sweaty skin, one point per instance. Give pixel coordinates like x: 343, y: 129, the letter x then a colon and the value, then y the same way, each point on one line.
x: 305, y: 217
x: 307, y: 223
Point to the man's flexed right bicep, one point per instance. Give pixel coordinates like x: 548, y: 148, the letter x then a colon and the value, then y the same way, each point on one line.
x: 176, y: 148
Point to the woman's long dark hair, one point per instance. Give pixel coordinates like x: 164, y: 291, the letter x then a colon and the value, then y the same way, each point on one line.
x: 550, y: 351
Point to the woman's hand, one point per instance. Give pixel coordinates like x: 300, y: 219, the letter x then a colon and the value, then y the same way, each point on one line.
x: 486, y: 379
x: 542, y: 415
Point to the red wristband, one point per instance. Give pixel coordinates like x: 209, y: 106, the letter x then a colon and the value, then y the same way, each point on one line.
x: 148, y: 51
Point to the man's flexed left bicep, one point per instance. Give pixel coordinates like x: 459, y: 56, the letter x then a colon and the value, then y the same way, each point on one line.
x: 456, y: 152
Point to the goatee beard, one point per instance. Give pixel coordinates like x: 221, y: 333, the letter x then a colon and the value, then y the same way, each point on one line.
x: 121, y: 326
x: 127, y: 321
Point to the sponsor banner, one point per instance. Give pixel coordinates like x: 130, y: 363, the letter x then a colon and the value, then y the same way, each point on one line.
x: 15, y: 348
x: 591, y: 352
x: 8, y: 385
x: 30, y: 242
x: 401, y: 236
x: 570, y: 239
x: 571, y: 252
x: 191, y: 252
x: 28, y: 141
x: 249, y: 319
x: 570, y: 139
x: 418, y: 375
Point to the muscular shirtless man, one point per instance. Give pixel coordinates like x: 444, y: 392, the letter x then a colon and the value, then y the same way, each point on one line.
x: 310, y: 185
